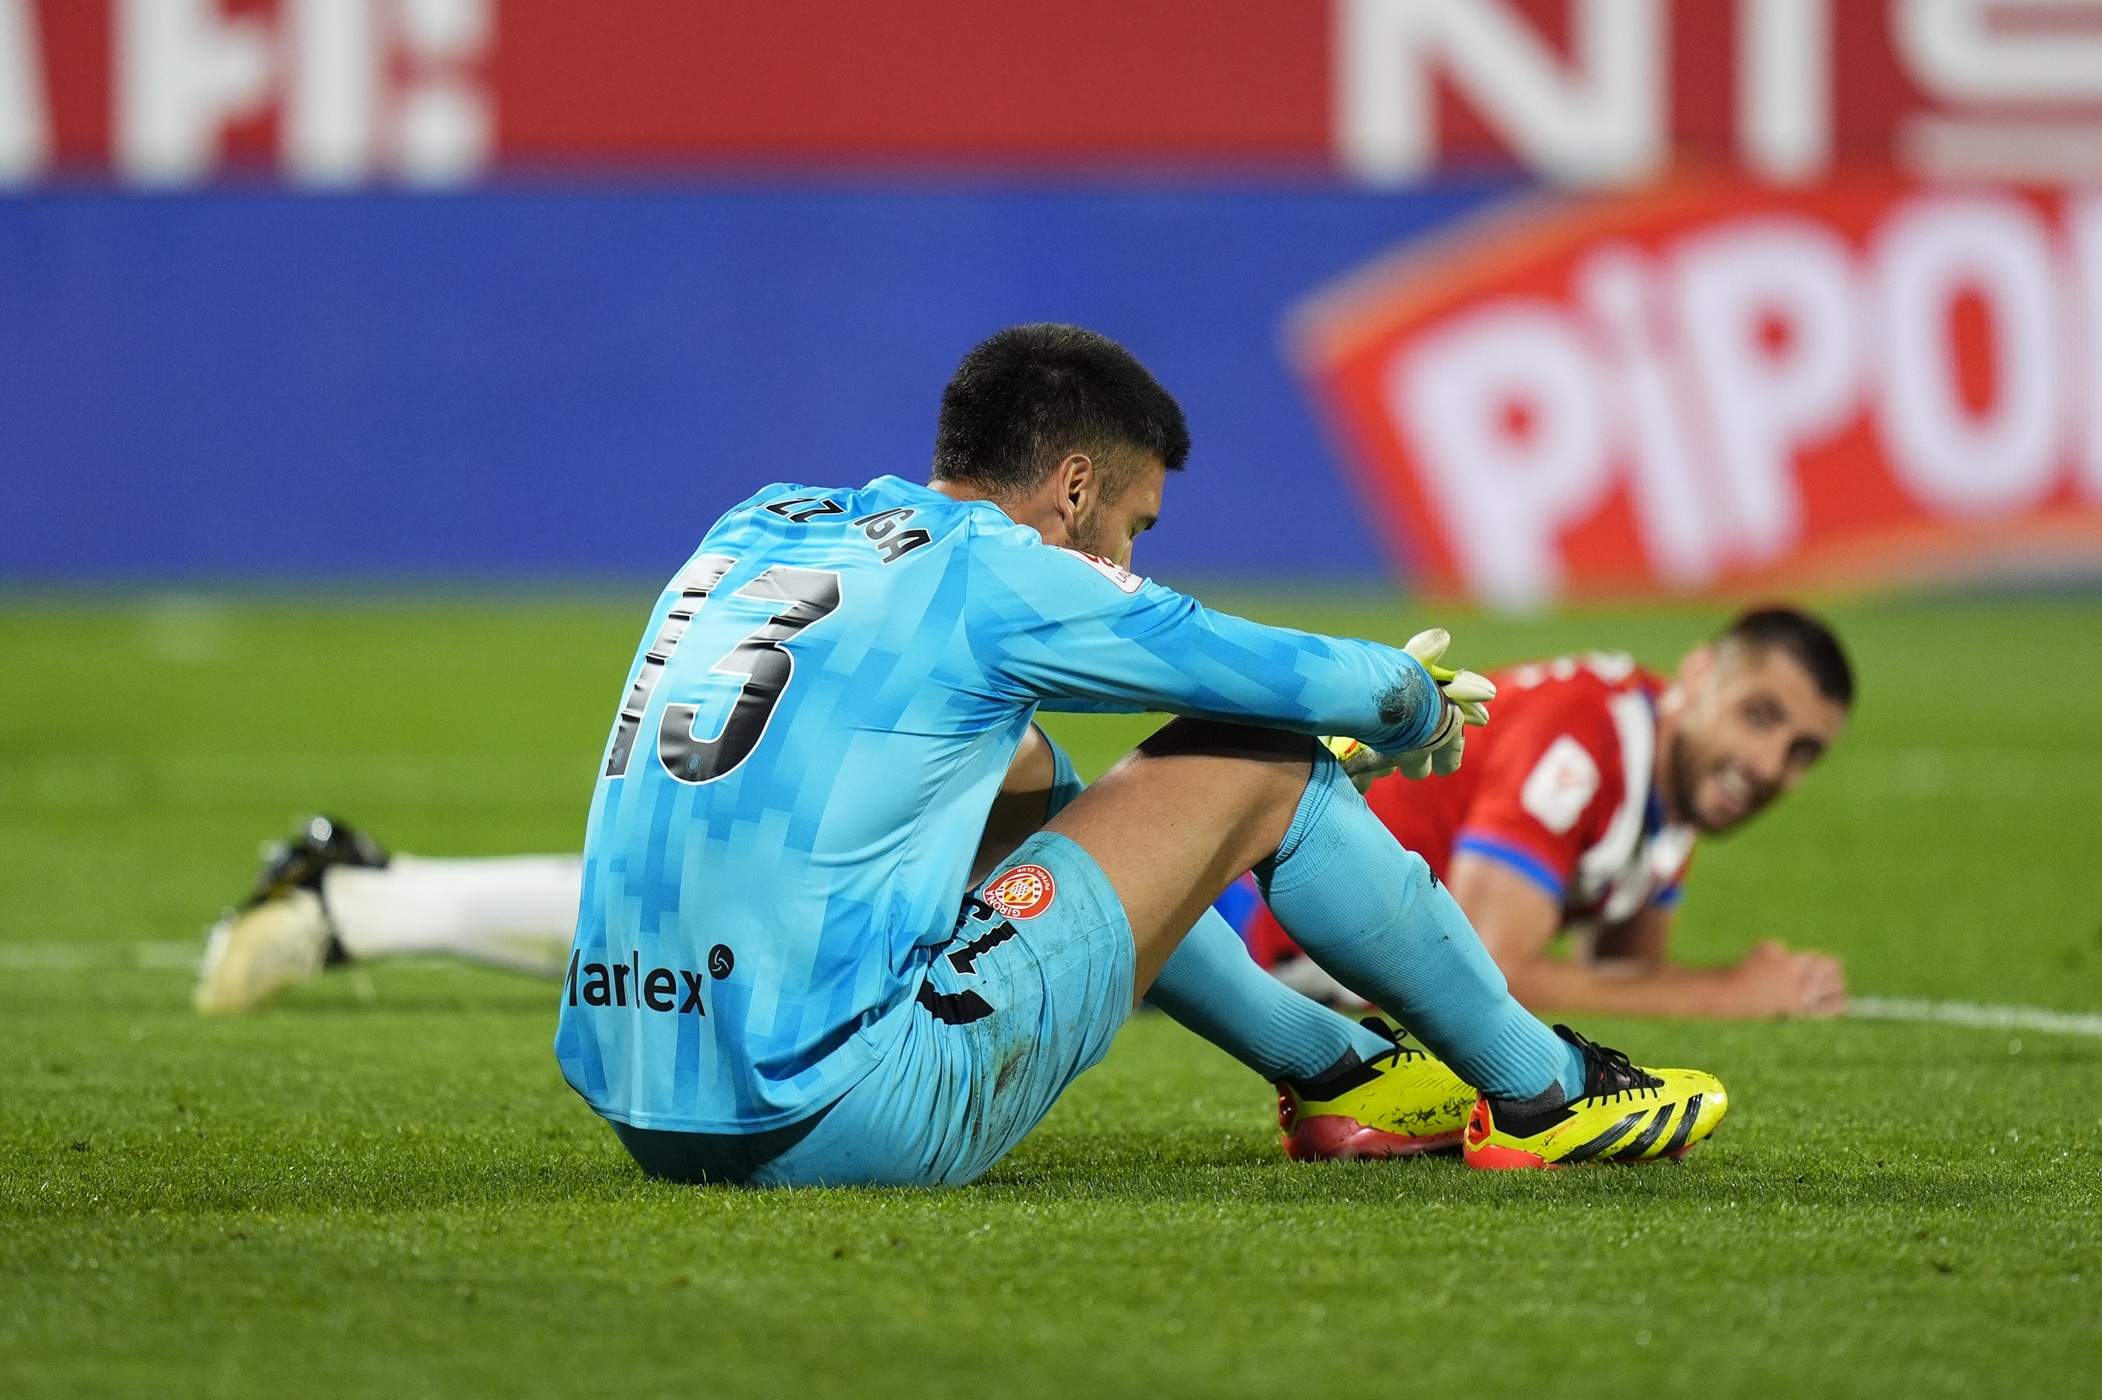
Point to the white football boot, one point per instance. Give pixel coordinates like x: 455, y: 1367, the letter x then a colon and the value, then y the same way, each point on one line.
x: 280, y: 936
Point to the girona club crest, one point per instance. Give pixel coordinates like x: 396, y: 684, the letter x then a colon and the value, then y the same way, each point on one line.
x: 1021, y: 893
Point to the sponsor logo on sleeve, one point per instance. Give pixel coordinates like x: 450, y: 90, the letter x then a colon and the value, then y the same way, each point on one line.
x: 1561, y: 785
x: 1115, y: 573
x: 1022, y: 892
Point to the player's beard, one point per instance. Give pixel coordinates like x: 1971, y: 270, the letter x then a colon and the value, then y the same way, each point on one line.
x: 1085, y: 535
x: 1686, y: 767
x: 1682, y: 778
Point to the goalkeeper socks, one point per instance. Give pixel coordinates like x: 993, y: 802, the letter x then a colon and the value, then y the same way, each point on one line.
x: 515, y: 912
x: 1212, y: 987
x: 1370, y: 913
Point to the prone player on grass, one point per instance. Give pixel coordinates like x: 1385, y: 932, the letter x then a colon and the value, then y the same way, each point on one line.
x: 1579, y: 810
x: 828, y: 730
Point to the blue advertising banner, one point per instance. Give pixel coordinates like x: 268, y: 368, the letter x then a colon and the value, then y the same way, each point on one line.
x: 529, y: 382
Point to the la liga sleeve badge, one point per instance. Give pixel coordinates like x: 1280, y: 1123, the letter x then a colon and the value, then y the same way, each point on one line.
x: 1116, y: 573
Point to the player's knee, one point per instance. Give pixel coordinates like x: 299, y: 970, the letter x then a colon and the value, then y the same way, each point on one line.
x: 1223, y: 739
x: 1260, y: 774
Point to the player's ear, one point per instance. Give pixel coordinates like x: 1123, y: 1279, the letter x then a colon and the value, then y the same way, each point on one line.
x: 1079, y: 482
x: 1695, y: 668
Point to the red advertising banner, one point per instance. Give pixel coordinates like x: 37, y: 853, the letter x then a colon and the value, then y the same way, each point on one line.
x: 1384, y: 92
x: 1714, y: 388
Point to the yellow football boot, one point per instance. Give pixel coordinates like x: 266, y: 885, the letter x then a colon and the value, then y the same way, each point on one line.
x: 1394, y: 1105
x: 1627, y: 1114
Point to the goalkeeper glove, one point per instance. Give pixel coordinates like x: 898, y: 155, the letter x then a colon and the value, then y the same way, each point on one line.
x: 1465, y: 696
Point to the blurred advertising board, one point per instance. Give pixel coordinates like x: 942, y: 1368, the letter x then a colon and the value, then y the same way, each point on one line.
x: 1712, y: 387
x: 1582, y: 297
x: 536, y: 380
x: 1382, y: 92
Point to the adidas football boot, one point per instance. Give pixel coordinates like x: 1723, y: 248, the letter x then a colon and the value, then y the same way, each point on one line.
x: 1396, y: 1104
x: 280, y: 935
x: 1626, y: 1114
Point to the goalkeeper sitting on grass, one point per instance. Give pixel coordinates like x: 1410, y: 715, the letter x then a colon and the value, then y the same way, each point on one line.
x: 789, y: 965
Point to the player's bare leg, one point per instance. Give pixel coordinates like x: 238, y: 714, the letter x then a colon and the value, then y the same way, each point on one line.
x: 1211, y: 987
x: 1181, y: 818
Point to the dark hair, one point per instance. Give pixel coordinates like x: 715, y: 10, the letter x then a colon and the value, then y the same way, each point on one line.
x: 1803, y: 637
x: 1025, y: 398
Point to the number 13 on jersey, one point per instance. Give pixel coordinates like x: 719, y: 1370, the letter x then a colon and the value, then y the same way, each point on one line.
x: 765, y: 666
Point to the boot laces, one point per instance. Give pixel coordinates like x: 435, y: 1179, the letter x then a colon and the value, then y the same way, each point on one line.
x: 1402, y: 1051
x: 1608, y: 1073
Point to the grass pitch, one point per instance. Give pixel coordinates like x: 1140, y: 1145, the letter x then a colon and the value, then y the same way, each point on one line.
x: 382, y: 1185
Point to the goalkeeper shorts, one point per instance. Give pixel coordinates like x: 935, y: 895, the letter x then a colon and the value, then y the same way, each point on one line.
x: 1027, y: 994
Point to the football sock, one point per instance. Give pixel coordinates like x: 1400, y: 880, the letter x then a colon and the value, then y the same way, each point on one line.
x: 515, y: 912
x: 1369, y: 912
x: 1212, y: 987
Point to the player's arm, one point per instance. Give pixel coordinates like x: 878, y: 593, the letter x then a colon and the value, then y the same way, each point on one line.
x: 1628, y: 972
x: 1022, y: 804
x: 1064, y: 633
x: 1518, y: 918
x: 1643, y: 938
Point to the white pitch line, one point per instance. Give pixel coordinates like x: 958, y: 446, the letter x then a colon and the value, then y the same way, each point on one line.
x: 1980, y: 1015
x: 170, y: 955
x: 163, y: 955
x: 99, y: 957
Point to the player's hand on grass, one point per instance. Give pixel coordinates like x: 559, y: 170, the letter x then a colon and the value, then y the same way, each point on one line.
x: 1775, y: 980
x: 1466, y: 696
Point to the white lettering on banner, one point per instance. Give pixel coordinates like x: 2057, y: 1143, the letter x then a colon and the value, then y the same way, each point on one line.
x: 1697, y: 375
x: 1964, y: 49
x: 2084, y: 222
x: 1784, y: 86
x: 1627, y: 95
x: 184, y: 70
x: 1930, y: 253
x: 25, y: 124
x: 445, y: 127
x: 1602, y: 121
x: 1671, y: 492
x: 187, y: 70
x: 1514, y: 439
x: 340, y: 116
x: 331, y: 90
x: 1767, y: 397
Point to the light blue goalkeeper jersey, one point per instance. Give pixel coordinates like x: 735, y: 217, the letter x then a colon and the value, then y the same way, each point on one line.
x: 824, y: 705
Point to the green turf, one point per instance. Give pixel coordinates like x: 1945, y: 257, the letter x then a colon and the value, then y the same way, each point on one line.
x: 382, y: 1185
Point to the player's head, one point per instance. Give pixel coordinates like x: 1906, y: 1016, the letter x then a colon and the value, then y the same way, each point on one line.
x: 1066, y: 430
x: 1750, y: 713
